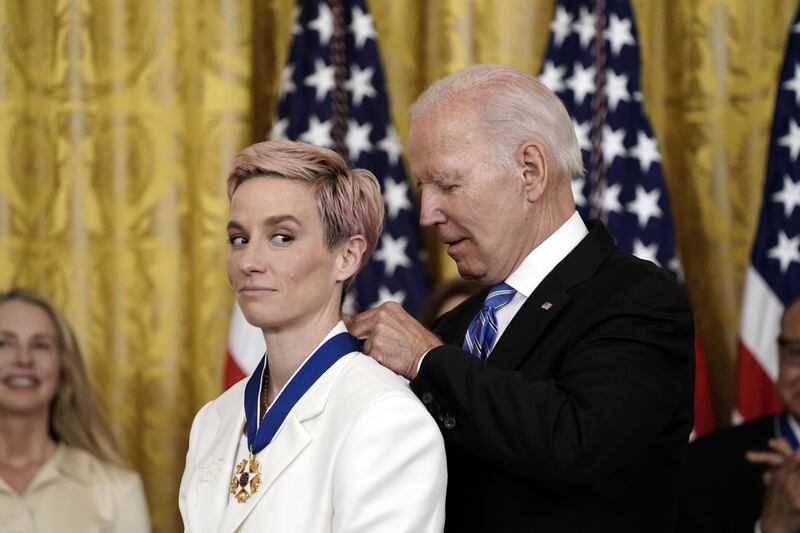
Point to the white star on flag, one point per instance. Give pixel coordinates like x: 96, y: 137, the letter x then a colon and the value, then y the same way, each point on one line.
x: 617, y: 89
x: 360, y: 83
x: 357, y: 138
x: 582, y: 133
x: 649, y: 253
x: 560, y: 26
x: 645, y: 206
x: 792, y: 139
x: 577, y: 191
x: 318, y: 133
x: 613, y: 144
x: 646, y: 150
x: 610, y: 201
x: 395, y: 196
x: 391, y: 145
x: 581, y: 82
x: 322, y: 80
x: 278, y: 130
x: 552, y: 77
x: 789, y: 196
x: 675, y: 265
x: 785, y: 251
x: 323, y: 24
x: 392, y: 253
x: 362, y: 27
x: 794, y: 84
x: 619, y: 33
x: 584, y: 27
x: 385, y: 295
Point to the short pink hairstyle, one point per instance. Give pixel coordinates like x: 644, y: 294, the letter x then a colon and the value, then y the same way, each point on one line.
x: 349, y: 200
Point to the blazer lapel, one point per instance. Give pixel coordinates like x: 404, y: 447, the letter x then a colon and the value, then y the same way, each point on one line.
x: 214, y: 470
x: 526, y: 327
x: 290, y: 441
x: 549, y: 298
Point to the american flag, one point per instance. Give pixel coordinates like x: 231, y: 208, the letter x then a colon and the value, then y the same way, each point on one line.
x: 772, y: 280
x: 593, y: 65
x: 308, y: 110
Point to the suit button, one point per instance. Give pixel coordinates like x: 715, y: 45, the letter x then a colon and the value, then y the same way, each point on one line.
x: 449, y: 422
x: 427, y: 398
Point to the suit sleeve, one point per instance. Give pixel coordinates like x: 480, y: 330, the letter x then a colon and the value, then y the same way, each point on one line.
x: 622, y: 381
x: 390, y: 473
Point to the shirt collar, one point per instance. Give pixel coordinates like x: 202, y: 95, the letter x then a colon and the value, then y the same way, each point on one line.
x: 544, y: 258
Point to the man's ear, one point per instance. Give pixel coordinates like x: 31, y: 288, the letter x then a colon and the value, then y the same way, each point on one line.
x: 350, y: 254
x: 531, y: 160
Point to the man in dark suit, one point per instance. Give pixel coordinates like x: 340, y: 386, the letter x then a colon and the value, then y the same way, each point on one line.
x: 726, y: 489
x: 564, y: 390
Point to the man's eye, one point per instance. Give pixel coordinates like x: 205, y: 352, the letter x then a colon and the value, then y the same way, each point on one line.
x: 237, y: 240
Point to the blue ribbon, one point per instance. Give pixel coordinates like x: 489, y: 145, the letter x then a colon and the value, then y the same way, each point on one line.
x: 260, y: 435
x: 786, y: 430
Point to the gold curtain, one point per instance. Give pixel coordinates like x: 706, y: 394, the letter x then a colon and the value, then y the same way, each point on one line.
x: 121, y: 117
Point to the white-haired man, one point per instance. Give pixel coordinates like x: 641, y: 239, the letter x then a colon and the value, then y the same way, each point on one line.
x: 563, y: 390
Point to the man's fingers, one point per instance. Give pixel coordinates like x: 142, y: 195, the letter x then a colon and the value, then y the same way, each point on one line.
x: 765, y: 458
x: 781, y: 446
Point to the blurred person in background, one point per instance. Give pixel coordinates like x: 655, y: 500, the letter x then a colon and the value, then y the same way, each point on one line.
x: 58, y: 469
x: 446, y: 296
x: 747, y: 478
x: 320, y: 437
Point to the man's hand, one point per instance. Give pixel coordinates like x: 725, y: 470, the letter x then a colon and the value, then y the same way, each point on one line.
x: 779, y: 451
x: 781, y: 511
x: 393, y: 338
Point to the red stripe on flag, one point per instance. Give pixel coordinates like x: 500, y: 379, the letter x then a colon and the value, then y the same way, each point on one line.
x: 703, y: 411
x: 755, y: 392
x: 233, y: 374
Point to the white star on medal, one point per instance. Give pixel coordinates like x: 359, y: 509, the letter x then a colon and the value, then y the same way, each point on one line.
x: 246, y: 478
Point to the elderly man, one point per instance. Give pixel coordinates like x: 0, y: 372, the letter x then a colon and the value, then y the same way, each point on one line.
x: 563, y: 390
x: 747, y: 478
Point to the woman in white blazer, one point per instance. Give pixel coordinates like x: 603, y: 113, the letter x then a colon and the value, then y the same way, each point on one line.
x: 320, y: 438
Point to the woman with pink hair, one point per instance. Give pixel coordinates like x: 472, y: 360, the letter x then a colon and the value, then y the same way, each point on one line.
x: 320, y: 437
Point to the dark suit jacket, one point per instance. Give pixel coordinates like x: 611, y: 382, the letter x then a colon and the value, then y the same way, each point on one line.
x: 581, y: 418
x: 723, y: 491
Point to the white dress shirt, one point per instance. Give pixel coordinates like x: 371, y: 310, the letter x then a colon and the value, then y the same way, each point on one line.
x: 538, y: 264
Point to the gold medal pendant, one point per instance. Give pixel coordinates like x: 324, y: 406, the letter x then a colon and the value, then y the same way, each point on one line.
x: 246, y: 478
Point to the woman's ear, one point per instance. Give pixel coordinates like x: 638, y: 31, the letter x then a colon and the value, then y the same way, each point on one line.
x: 351, y: 253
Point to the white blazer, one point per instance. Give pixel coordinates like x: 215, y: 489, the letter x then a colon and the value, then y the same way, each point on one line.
x: 357, y: 453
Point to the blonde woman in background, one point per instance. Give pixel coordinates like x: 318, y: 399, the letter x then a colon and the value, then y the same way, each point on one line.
x: 58, y: 471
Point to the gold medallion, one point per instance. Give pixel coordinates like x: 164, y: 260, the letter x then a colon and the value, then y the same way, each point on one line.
x: 246, y: 478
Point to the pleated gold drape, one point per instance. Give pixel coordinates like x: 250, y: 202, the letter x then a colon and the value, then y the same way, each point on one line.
x: 121, y: 117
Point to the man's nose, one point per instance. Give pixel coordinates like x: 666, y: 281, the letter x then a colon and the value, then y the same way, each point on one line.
x: 430, y: 210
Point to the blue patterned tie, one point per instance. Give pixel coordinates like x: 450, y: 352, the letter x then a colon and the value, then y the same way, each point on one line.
x: 482, y: 331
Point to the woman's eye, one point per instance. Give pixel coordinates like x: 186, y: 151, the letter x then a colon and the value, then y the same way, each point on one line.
x: 43, y: 346
x: 237, y: 240
x: 282, y: 238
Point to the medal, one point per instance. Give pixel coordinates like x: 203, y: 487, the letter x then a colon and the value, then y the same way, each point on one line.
x: 246, y: 478
x: 247, y: 474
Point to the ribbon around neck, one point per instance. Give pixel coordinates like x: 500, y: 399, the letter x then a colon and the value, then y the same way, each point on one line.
x: 259, y: 435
